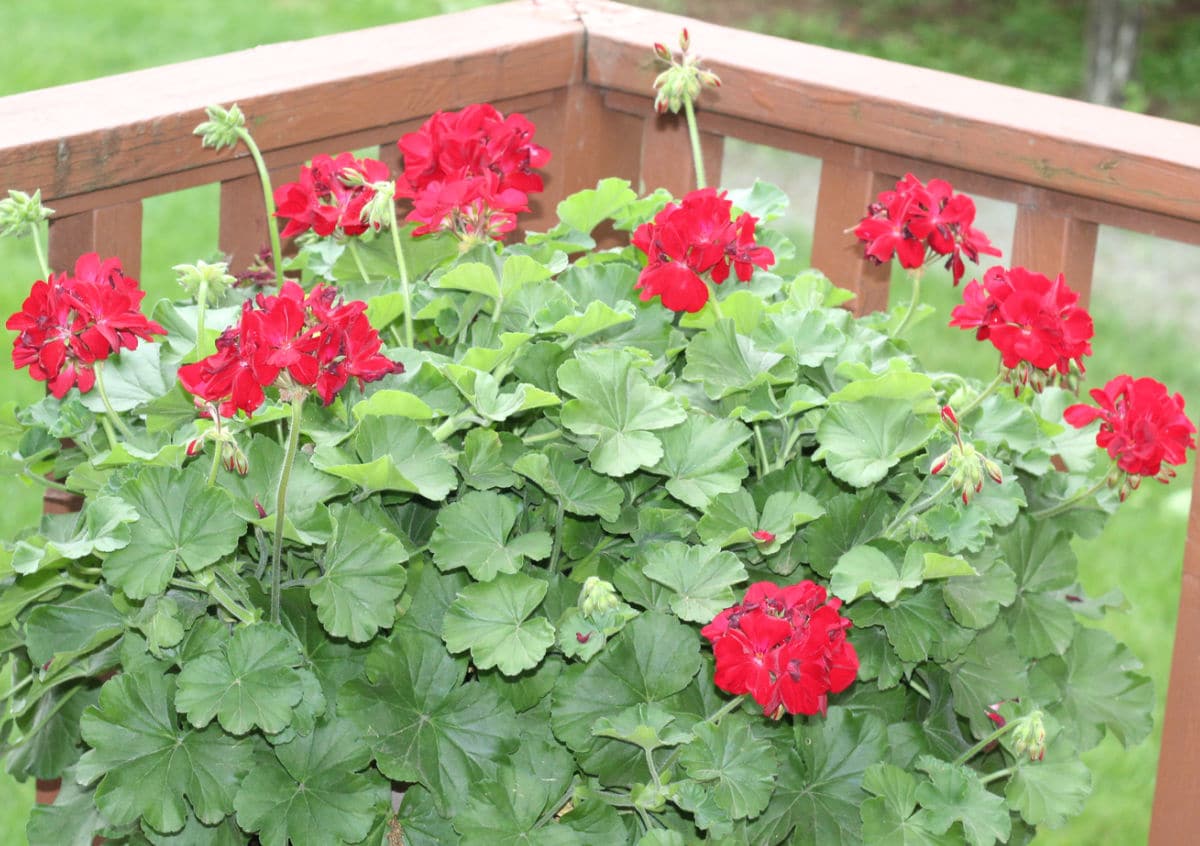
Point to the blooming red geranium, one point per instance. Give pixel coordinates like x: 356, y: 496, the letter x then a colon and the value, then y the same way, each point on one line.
x: 70, y: 322
x: 1142, y: 426
x: 1034, y: 322
x: 697, y: 235
x: 470, y: 172
x: 314, y: 341
x: 785, y: 646
x: 330, y: 195
x: 915, y: 222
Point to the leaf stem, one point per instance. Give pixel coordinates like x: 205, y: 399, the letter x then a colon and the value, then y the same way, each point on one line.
x: 216, y: 463
x: 217, y: 591
x: 403, y: 267
x: 46, y: 480
x: 914, y: 510
x: 352, y: 246
x: 557, y: 807
x: 1071, y: 502
x: 915, y: 275
x: 787, y: 448
x: 919, y: 688
x: 694, y: 135
x: 289, y: 459
x: 653, y: 769
x: 716, y: 304
x: 714, y: 718
x: 264, y: 177
x: 558, y: 530
x: 990, y: 777
x: 17, y: 688
x: 764, y: 465
x: 987, y: 741
x: 982, y: 395
x: 98, y: 368
x: 36, y: 231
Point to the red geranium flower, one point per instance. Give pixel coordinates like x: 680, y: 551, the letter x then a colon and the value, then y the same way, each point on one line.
x: 470, y: 172
x: 71, y: 321
x: 916, y: 222
x: 692, y: 237
x: 319, y: 341
x: 330, y: 195
x: 1143, y: 427
x: 1029, y: 319
x: 785, y: 646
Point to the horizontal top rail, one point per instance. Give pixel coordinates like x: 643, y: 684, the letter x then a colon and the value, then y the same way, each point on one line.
x: 1141, y: 162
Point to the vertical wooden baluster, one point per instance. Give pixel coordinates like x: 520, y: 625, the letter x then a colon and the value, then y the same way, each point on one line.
x: 842, y: 200
x: 110, y: 231
x: 242, y: 230
x: 667, y: 154
x: 1176, y: 815
x: 1051, y: 244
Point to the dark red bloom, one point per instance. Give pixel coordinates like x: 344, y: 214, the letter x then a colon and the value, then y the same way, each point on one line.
x: 319, y: 341
x: 1028, y: 319
x: 470, y: 172
x: 785, y: 646
x: 915, y: 222
x: 330, y: 195
x: 71, y: 321
x: 695, y: 236
x: 1142, y: 426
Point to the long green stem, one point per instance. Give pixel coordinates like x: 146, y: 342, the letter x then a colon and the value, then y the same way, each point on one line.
x: 98, y: 368
x: 289, y: 459
x: 17, y: 688
x: 217, y: 591
x: 915, y: 276
x: 915, y: 509
x: 763, y: 464
x: 403, y: 267
x: 201, y: 303
x: 983, y: 744
x: 558, y: 530
x: 352, y: 246
x: 1071, y: 502
x: 43, y: 480
x: 694, y: 134
x: 998, y: 774
x: 216, y: 463
x: 787, y: 447
x: 264, y: 177
x: 36, y: 232
x: 981, y: 396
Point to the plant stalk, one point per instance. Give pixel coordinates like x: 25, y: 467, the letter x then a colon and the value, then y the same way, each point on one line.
x: 915, y: 276
x: 987, y: 741
x: 98, y: 368
x: 36, y: 232
x: 352, y: 246
x: 998, y: 774
x: 694, y: 134
x: 1071, y: 502
x: 289, y: 459
x: 403, y: 268
x: 913, y: 510
x: 264, y: 177
x: 981, y: 396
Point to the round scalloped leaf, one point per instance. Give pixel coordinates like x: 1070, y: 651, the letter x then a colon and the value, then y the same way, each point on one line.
x: 491, y: 619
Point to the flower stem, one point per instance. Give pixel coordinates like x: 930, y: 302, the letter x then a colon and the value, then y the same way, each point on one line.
x: 763, y: 465
x: 982, y: 395
x: 1071, y: 502
x: 915, y: 276
x: 716, y: 304
x: 919, y: 688
x: 557, y: 807
x: 46, y: 480
x: 268, y: 199
x: 216, y: 463
x: 36, y: 232
x: 98, y: 368
x: 352, y: 246
x: 915, y: 509
x: 289, y: 458
x: 201, y: 302
x: 694, y: 134
x: 983, y: 744
x: 990, y: 777
x: 403, y: 267
x: 558, y: 530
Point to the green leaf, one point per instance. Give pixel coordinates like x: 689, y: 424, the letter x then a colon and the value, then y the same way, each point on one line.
x: 82, y: 624
x: 738, y: 768
x: 645, y: 726
x: 849, y: 520
x: 956, y: 794
x: 615, y: 403
x: 484, y: 462
x: 392, y: 454
x: 49, y: 727
x: 148, y: 766
x: 473, y: 276
x: 888, y: 818
x: 490, y: 619
x: 598, y: 317
x: 968, y: 527
x: 975, y: 600
x: 482, y: 390
x: 134, y: 377
x: 311, y: 791
x: 579, y: 490
x: 183, y: 523
x: 818, y: 791
x: 507, y: 810
x: 393, y: 403
x: 866, y: 569
x: 919, y: 628
x: 1049, y: 792
x: 989, y: 670
x: 252, y: 682
x: 422, y: 723
x: 762, y: 199
x: 474, y: 533
x: 586, y: 209
x: 725, y: 362
x: 701, y: 458
x: 73, y: 819
x: 361, y: 578
x: 700, y: 578
x: 860, y: 441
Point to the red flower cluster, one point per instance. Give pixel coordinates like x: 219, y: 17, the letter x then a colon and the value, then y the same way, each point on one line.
x: 315, y: 341
x: 330, y: 195
x: 1033, y: 322
x: 694, y: 236
x: 915, y: 220
x: 71, y: 321
x: 1142, y: 426
x: 470, y: 172
x: 786, y: 647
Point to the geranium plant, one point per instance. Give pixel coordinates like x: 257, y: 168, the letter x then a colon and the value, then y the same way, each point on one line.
x: 431, y: 534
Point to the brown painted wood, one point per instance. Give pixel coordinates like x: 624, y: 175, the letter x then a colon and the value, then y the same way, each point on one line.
x: 110, y: 132
x: 110, y: 231
x: 47, y: 790
x: 1037, y: 139
x: 1049, y: 243
x: 1176, y: 813
x: 667, y: 160
x: 842, y: 200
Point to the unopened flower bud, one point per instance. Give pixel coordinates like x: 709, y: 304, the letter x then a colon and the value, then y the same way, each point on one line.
x: 685, y: 40
x: 214, y: 278
x: 1029, y: 737
x: 597, y: 597
x: 234, y: 459
x: 221, y: 128
x: 661, y: 51
x: 21, y: 212
x: 710, y: 79
x: 258, y: 507
x: 939, y: 463
x: 377, y: 211
x: 763, y: 536
x: 949, y: 418
x: 194, y: 446
x: 993, y: 470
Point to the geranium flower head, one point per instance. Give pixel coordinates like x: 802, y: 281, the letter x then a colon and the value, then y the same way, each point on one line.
x: 1038, y: 326
x: 330, y: 195
x: 1143, y: 427
x: 693, y: 237
x: 70, y: 321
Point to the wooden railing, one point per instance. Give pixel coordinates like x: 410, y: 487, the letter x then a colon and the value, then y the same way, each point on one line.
x: 582, y: 71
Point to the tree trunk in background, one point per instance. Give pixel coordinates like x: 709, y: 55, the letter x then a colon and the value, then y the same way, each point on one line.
x: 1113, y: 27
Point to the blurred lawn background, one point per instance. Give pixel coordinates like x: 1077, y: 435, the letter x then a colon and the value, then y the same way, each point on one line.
x: 1031, y: 43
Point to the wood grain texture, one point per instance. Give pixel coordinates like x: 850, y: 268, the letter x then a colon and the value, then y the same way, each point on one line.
x: 842, y: 200
x: 666, y: 153
x: 108, y: 230
x: 1050, y: 244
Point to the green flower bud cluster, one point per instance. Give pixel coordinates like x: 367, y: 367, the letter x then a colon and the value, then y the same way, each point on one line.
x: 682, y: 80
x: 213, y: 278
x: 222, y: 127
x: 597, y: 597
x: 1029, y: 736
x: 968, y: 466
x: 21, y: 212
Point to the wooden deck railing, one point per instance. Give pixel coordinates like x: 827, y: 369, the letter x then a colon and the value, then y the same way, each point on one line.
x: 582, y: 71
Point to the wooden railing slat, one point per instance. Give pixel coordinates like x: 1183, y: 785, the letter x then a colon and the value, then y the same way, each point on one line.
x: 109, y: 230
x: 666, y: 157
x: 1051, y: 243
x: 842, y: 201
